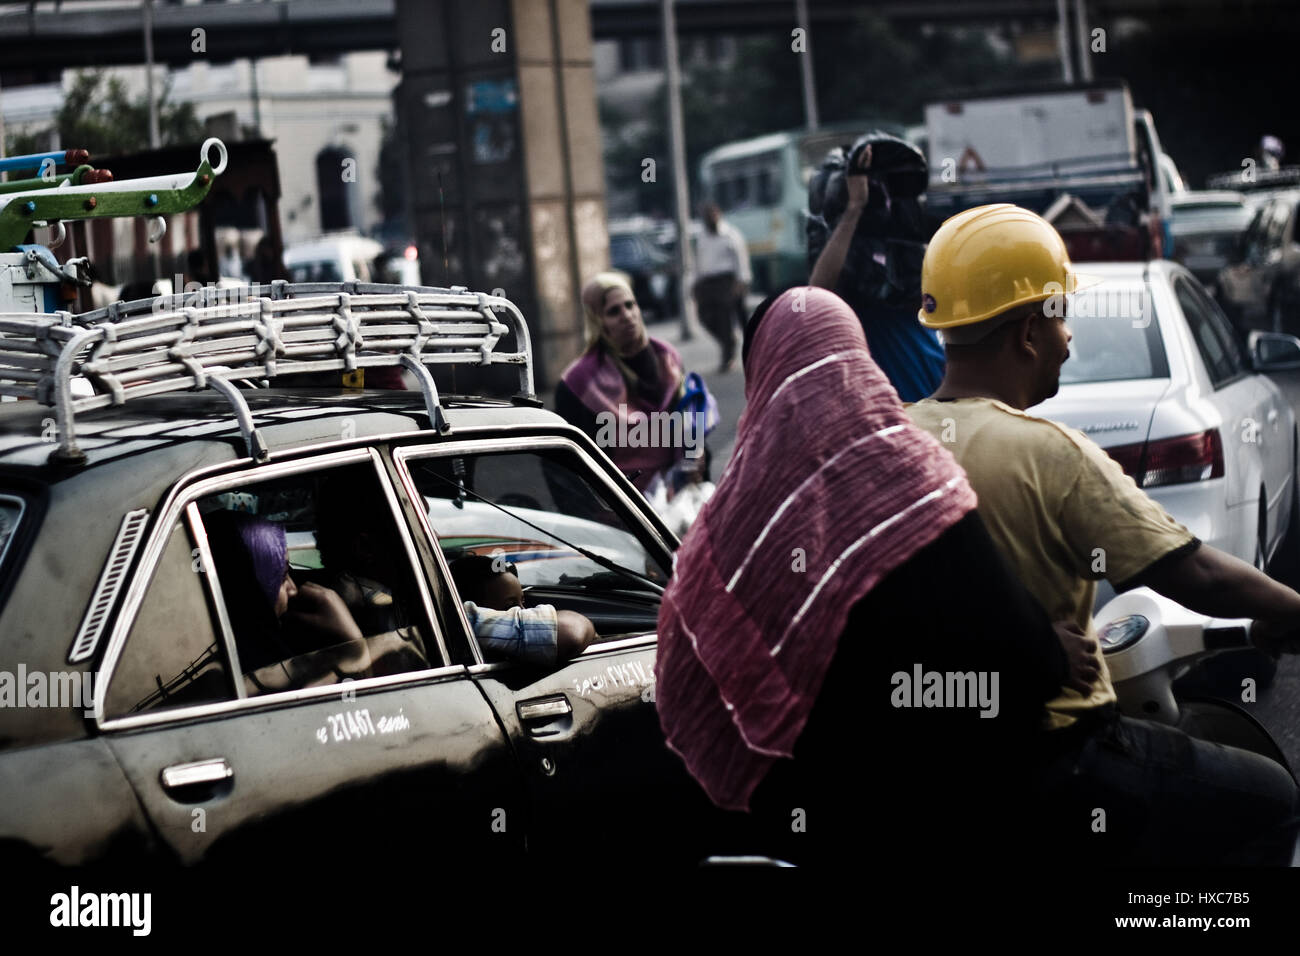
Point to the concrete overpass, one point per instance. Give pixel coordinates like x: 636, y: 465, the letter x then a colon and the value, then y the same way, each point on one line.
x: 46, y: 36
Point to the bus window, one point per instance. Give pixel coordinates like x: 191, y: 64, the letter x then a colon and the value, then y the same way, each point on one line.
x: 739, y: 192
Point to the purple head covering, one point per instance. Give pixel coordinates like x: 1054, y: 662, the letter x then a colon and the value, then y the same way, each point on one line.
x: 267, y: 551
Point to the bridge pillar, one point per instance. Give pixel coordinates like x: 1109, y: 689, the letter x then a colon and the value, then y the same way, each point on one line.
x: 498, y: 102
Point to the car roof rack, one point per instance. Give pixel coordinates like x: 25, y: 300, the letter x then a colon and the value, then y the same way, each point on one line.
x: 1242, y: 180
x: 215, y: 337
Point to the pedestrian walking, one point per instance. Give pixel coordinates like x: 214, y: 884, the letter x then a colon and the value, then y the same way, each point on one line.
x: 722, y: 259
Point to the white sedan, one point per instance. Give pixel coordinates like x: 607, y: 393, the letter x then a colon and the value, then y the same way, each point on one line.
x: 1159, y: 379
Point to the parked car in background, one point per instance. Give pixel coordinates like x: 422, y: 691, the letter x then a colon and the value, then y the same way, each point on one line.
x: 1262, y: 288
x: 1158, y: 378
x: 342, y: 258
x: 636, y: 248
x: 1207, y: 227
x: 399, y: 266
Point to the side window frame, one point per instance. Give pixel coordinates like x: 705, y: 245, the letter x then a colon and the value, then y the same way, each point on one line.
x: 1219, y: 322
x: 1218, y: 379
x: 182, y: 505
x: 402, y: 454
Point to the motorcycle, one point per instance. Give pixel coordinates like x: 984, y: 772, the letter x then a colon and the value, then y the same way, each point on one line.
x: 1150, y: 642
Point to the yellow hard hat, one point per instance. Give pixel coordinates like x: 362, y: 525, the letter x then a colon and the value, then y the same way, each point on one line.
x: 989, y: 259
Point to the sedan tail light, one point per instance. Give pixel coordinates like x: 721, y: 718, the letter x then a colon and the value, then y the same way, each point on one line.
x: 1172, y: 461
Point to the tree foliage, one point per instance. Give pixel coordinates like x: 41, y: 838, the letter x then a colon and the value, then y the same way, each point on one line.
x: 98, y: 115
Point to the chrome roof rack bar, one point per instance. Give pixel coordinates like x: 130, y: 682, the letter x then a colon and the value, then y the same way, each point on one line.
x: 253, y: 439
x: 432, y: 403
x: 164, y: 344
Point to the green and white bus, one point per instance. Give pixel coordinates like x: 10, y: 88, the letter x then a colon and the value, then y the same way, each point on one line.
x: 761, y: 185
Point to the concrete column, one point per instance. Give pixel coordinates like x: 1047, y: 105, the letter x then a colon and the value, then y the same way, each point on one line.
x: 498, y: 99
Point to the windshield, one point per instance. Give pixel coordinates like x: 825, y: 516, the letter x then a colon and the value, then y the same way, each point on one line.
x: 1211, y: 217
x: 1116, y: 335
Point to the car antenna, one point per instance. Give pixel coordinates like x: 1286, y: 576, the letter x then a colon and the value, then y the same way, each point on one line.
x: 458, y: 469
x: 442, y: 219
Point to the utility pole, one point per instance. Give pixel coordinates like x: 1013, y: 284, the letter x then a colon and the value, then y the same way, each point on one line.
x: 677, y: 142
x: 806, y: 65
x: 1063, y: 39
x: 256, y: 94
x: 1081, y: 35
x: 148, y: 76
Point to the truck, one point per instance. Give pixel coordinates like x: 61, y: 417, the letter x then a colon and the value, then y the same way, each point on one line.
x: 1080, y: 156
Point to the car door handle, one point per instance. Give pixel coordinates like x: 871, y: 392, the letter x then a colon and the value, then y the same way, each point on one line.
x: 201, y: 776
x: 546, y: 708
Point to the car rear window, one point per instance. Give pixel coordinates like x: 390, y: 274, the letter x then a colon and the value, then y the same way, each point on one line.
x: 1211, y: 218
x: 1116, y: 336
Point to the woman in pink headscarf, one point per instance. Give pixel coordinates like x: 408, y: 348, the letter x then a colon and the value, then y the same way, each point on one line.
x: 624, y: 375
x: 840, y: 551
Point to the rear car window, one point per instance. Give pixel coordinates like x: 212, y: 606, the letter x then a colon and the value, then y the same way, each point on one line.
x: 223, y: 568
x: 1116, y: 336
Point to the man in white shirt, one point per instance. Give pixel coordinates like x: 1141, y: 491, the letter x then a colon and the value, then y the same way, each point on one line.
x: 722, y: 259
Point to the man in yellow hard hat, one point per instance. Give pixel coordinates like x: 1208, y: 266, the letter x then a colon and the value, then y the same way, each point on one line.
x: 995, y: 284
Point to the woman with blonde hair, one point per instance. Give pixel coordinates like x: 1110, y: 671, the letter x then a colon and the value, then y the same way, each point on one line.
x: 623, y: 378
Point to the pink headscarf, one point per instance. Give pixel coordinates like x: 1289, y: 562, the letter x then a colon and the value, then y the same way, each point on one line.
x: 830, y: 488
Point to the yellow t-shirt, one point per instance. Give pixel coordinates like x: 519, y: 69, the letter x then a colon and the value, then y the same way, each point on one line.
x: 1061, y: 510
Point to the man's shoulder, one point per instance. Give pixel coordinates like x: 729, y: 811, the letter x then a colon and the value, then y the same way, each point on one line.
x: 999, y: 424
x: 990, y: 410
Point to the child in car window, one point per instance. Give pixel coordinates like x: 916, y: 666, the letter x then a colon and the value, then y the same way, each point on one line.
x: 494, y: 604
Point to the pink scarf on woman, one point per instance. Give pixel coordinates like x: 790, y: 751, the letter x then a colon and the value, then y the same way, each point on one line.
x: 599, y: 385
x: 830, y: 488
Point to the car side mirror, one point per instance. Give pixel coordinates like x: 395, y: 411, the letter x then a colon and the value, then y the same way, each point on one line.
x: 1273, y: 351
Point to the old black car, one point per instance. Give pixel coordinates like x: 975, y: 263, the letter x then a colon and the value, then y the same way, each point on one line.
x: 151, y: 419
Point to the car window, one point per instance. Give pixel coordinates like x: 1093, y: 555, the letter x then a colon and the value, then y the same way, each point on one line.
x: 312, y: 577
x: 1277, y: 226
x: 1214, y: 340
x: 356, y: 612
x: 1253, y: 243
x: 1114, y: 339
x: 536, y: 510
x: 173, y: 656
x: 1239, y: 361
